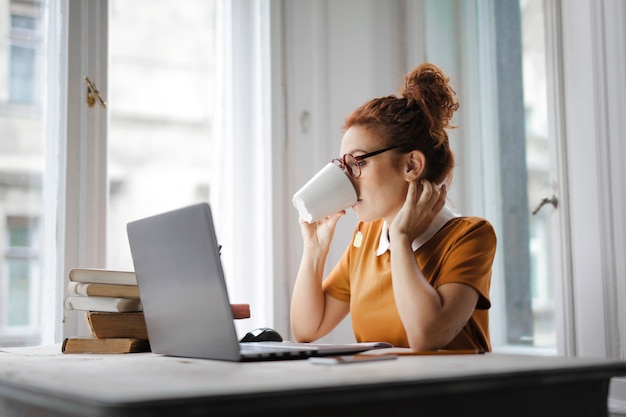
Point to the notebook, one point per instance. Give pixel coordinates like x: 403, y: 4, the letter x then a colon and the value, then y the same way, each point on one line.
x: 184, y: 295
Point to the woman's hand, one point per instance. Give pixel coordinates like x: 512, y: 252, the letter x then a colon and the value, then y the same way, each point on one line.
x: 423, y: 201
x: 313, y: 312
x: 320, y: 234
x: 431, y: 316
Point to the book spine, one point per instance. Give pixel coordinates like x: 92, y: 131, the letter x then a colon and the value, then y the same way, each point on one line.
x: 98, y: 346
x: 110, y: 304
x: 116, y: 325
x: 87, y: 289
x: 77, y: 288
x: 103, y: 276
x: 72, y: 288
x: 240, y: 311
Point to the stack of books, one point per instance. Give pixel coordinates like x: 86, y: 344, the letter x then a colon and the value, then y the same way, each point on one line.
x: 113, y: 311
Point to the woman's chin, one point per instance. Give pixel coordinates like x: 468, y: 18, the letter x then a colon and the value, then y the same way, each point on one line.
x: 362, y: 214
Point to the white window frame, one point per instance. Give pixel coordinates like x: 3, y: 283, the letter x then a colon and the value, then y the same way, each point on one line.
x: 592, y: 100
x: 76, y: 190
x: 588, y: 65
x: 562, y: 264
x: 75, y: 187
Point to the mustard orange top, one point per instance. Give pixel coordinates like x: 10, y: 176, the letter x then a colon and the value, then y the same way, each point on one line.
x: 462, y: 251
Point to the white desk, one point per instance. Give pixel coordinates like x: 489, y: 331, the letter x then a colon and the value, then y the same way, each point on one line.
x: 43, y: 382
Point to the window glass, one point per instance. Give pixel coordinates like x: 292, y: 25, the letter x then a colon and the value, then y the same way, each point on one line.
x: 22, y: 49
x: 161, y: 68
x: 22, y: 260
x: 24, y: 24
x: 498, y: 51
x: 19, y: 291
x: 19, y: 234
x: 538, y: 163
x: 23, y: 62
x: 25, y: 41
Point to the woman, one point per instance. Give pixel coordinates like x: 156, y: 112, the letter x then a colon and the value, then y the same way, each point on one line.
x: 415, y: 274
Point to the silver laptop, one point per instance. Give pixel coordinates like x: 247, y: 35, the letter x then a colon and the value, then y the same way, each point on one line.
x: 184, y: 296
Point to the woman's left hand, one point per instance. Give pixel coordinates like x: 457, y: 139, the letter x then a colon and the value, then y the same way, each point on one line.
x: 423, y: 201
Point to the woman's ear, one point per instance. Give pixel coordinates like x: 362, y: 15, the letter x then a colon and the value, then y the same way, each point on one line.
x: 415, y: 165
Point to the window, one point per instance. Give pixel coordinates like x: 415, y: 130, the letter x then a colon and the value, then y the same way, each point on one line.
x: 169, y: 125
x: 20, y: 298
x: 497, y: 68
x: 190, y: 122
x: 21, y: 166
x: 25, y: 52
x: 161, y: 70
x: 538, y: 163
x: 494, y: 53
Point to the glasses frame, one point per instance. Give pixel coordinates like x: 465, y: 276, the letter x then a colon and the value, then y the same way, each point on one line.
x: 358, y: 160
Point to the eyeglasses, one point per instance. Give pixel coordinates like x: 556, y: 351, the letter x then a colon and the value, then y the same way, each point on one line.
x: 352, y: 164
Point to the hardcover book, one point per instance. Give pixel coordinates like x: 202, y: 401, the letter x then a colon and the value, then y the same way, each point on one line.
x: 93, y: 345
x: 105, y: 325
x: 109, y: 304
x: 103, y: 276
x: 87, y: 289
x: 115, y: 325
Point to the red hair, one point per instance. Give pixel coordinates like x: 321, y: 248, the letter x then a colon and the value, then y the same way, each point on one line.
x: 416, y: 120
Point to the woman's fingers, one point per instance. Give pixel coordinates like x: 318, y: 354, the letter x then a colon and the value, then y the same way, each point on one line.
x: 320, y: 233
x: 430, y: 196
x: 441, y: 201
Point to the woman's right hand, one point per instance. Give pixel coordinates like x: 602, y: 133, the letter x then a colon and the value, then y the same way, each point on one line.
x: 313, y: 312
x: 319, y: 235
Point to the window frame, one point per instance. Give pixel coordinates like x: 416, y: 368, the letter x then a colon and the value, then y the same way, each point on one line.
x: 590, y: 63
x: 75, y: 187
x: 76, y: 191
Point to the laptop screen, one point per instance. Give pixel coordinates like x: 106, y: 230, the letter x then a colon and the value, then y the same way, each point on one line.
x: 181, y: 284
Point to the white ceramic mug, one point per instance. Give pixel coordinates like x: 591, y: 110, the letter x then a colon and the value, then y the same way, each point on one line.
x: 327, y: 192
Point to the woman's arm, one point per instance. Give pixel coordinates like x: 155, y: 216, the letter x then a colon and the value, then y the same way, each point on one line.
x: 313, y: 312
x: 432, y: 317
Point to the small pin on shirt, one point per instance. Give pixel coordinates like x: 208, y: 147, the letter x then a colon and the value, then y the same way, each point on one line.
x: 358, y: 238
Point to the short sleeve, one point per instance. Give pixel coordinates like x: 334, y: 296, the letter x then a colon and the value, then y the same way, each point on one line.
x: 470, y: 258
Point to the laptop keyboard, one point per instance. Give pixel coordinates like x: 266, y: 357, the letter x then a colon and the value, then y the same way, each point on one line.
x: 269, y: 351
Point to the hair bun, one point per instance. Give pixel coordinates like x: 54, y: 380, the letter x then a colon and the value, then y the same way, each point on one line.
x: 416, y: 120
x: 428, y: 86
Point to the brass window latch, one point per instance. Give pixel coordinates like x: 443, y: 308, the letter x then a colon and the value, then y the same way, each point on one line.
x: 93, y: 94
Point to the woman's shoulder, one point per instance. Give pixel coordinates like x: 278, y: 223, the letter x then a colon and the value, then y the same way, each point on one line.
x: 465, y: 225
x: 471, y: 221
x: 459, y: 223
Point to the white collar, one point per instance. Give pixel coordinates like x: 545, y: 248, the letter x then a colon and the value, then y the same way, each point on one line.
x: 443, y: 217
